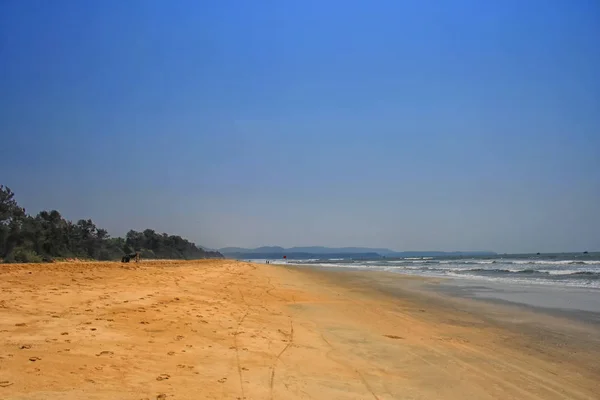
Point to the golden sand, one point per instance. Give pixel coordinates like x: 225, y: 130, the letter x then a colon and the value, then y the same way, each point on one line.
x: 233, y: 330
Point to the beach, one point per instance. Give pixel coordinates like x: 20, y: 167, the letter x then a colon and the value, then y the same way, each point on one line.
x: 222, y: 329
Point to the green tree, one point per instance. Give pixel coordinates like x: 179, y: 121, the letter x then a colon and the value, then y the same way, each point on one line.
x: 48, y: 235
x: 11, y: 220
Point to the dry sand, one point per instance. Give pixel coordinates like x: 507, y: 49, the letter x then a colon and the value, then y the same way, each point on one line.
x: 233, y: 330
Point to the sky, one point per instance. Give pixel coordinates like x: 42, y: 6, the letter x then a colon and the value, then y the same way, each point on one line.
x: 412, y: 125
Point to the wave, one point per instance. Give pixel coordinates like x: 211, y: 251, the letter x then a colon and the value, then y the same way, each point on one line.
x: 491, y: 271
x: 414, y: 261
x: 571, y: 273
x: 551, y: 274
x: 527, y: 280
x: 548, y: 262
x: 587, y: 274
x: 500, y: 271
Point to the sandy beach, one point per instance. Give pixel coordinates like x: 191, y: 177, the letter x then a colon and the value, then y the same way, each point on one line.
x: 220, y: 329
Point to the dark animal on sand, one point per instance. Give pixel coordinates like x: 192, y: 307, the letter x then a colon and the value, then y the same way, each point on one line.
x: 135, y: 256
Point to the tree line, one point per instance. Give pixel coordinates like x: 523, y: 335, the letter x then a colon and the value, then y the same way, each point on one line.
x: 48, y: 236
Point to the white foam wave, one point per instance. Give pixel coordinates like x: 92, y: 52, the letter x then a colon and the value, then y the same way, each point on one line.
x: 569, y: 271
x: 554, y: 262
x: 534, y: 281
x: 557, y: 271
x: 560, y: 271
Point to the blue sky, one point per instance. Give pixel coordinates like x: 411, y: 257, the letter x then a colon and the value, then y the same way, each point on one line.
x: 438, y: 125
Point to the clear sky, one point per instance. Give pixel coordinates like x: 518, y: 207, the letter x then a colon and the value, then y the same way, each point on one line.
x: 414, y: 125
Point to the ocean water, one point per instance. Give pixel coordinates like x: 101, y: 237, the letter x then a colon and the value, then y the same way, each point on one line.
x: 569, y: 269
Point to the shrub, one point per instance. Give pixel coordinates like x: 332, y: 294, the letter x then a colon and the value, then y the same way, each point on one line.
x: 23, y: 255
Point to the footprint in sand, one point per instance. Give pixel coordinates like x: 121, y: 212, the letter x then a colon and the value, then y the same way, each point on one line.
x: 105, y: 353
x: 222, y: 380
x: 171, y: 353
x: 161, y: 396
x: 21, y: 324
x: 34, y: 359
x: 163, y: 377
x: 25, y: 346
x: 64, y: 333
x: 5, y: 383
x: 393, y: 337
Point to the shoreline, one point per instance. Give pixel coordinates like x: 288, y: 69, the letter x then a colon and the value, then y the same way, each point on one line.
x: 577, y: 303
x: 455, y: 294
x: 569, y: 271
x: 226, y: 329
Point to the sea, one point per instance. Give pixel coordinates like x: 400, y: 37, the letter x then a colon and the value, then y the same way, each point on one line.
x: 565, y: 269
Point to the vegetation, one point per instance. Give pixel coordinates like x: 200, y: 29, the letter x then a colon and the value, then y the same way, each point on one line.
x: 48, y: 236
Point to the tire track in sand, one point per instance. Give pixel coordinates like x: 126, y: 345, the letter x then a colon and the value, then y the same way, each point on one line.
x: 237, y: 352
x: 235, y: 342
x: 362, y: 378
x: 274, y: 366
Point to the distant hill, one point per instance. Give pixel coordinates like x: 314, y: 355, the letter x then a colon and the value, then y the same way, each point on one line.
x: 265, y: 249
x: 299, y: 256
x: 309, y: 250
x: 440, y: 253
x: 337, y: 252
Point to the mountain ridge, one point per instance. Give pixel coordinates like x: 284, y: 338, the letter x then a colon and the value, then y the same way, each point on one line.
x: 307, y: 251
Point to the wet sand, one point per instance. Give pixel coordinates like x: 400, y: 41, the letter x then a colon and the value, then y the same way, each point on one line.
x: 233, y: 330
